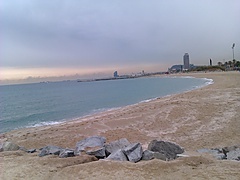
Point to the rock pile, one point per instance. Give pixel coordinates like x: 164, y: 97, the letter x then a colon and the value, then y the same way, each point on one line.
x: 120, y: 150
x: 229, y: 152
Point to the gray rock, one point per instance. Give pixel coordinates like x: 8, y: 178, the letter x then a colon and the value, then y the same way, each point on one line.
x: 133, y: 152
x: 47, y: 150
x: 147, y: 155
x: 116, y: 145
x: 216, y: 153
x: 66, y: 153
x: 1, y: 146
x: 9, y: 146
x: 117, y: 156
x: 31, y: 151
x: 98, y: 152
x: 160, y: 156
x: 234, y: 154
x: 227, y: 149
x: 23, y: 149
x: 94, y: 141
x: 170, y: 150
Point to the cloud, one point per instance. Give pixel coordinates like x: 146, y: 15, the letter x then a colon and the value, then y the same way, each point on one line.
x: 89, y: 34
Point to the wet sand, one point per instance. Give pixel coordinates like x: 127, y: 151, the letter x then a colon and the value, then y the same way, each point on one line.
x: 204, y: 118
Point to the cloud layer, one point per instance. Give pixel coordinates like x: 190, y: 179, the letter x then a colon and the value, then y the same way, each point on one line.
x: 102, y: 34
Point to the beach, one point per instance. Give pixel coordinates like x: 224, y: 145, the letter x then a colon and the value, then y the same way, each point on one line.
x: 207, y: 117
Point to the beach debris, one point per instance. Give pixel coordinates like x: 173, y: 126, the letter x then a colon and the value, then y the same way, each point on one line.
x: 116, y: 145
x: 90, y: 142
x: 66, y: 153
x: 117, y: 156
x: 8, y: 146
x: 48, y: 150
x: 133, y: 152
x: 169, y: 149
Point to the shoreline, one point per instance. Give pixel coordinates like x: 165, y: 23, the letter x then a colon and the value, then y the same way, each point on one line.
x: 206, y: 117
x: 106, y: 110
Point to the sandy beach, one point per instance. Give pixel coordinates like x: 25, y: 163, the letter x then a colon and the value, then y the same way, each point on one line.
x: 207, y: 117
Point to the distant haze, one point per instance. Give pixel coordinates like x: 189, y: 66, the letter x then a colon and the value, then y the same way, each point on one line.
x: 86, y: 38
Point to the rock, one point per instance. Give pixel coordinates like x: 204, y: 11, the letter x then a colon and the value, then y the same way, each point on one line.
x: 66, y: 153
x: 47, y: 150
x: 1, y: 146
x: 216, y: 153
x: 23, y: 149
x: 117, y: 156
x: 116, y: 145
x: 31, y: 151
x: 160, y: 156
x: 147, y: 155
x: 234, y: 154
x: 9, y: 146
x: 170, y: 150
x: 98, y: 152
x: 94, y: 141
x: 133, y: 152
x: 227, y: 149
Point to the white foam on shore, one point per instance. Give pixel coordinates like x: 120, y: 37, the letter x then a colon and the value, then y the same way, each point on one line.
x: 46, y: 124
x: 96, y: 112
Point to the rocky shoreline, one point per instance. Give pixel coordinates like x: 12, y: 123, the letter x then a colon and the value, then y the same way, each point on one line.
x: 123, y: 150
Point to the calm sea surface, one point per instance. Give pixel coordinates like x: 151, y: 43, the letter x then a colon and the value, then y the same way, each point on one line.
x: 40, y: 104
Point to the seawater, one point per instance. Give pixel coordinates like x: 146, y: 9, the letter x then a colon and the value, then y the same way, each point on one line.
x: 30, y: 105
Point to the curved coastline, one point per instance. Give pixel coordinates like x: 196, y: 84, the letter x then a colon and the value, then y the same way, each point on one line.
x: 203, y: 118
x: 110, y: 110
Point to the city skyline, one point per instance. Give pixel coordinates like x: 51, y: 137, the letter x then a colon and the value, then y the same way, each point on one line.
x: 61, y: 39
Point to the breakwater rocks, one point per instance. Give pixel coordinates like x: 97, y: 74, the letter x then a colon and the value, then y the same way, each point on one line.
x: 123, y: 150
x: 229, y: 152
x: 120, y: 150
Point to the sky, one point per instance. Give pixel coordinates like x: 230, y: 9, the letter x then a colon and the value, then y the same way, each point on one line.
x: 63, y: 39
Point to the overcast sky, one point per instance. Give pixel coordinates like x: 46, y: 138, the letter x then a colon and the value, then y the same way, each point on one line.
x: 66, y: 37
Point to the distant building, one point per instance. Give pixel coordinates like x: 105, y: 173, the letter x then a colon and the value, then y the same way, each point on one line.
x: 186, y: 65
x: 115, y: 74
x: 176, y: 68
x: 210, y: 62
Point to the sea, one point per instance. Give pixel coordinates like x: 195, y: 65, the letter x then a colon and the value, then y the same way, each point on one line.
x: 49, y: 103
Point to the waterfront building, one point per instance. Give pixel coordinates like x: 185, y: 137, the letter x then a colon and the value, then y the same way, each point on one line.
x: 186, y: 65
x: 115, y: 74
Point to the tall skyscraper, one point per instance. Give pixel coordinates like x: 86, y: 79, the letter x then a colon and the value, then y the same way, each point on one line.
x: 186, y: 64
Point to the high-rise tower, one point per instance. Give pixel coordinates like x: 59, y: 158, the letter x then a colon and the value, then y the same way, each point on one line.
x: 186, y: 64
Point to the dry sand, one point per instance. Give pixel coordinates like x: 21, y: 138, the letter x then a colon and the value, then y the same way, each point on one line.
x: 204, y: 118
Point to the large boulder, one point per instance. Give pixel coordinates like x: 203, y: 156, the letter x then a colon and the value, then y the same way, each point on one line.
x: 117, y: 156
x: 94, y: 141
x: 47, y: 150
x: 169, y: 149
x: 133, y: 152
x: 116, y: 145
x: 9, y: 146
x: 97, y: 151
